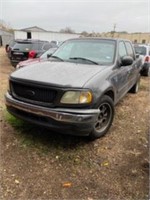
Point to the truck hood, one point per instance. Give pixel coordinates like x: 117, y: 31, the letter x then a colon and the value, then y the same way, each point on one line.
x: 61, y: 74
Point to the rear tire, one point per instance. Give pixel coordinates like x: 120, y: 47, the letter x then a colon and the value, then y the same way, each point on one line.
x: 105, y: 118
x: 135, y: 87
x: 147, y: 72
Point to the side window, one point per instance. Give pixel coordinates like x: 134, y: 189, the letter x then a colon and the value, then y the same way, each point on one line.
x: 122, y: 49
x: 130, y: 50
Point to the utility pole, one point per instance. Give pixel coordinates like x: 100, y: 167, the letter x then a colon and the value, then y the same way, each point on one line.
x: 114, y: 27
x: 114, y: 30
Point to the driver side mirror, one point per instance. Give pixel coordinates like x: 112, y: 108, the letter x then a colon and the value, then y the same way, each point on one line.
x: 126, y: 60
x: 49, y: 55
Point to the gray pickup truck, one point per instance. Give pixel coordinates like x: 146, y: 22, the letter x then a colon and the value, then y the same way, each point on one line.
x: 76, y: 89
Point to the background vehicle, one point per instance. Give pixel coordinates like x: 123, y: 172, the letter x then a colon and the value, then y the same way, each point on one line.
x: 41, y: 58
x: 9, y: 47
x: 75, y: 91
x: 10, y: 44
x: 144, y: 51
x: 58, y: 43
x: 25, y: 49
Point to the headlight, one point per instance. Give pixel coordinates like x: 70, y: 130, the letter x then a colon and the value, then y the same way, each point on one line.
x: 76, y: 97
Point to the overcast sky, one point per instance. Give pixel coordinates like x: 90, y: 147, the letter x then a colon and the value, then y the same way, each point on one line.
x: 80, y: 15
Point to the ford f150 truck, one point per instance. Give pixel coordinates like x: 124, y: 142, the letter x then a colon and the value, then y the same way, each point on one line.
x: 75, y: 91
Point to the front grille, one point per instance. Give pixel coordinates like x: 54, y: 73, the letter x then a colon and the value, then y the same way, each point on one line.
x: 33, y: 93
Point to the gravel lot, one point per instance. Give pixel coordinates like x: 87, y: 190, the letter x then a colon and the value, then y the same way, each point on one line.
x: 39, y: 164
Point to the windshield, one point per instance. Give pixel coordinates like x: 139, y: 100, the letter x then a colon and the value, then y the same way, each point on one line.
x: 140, y: 50
x: 87, y: 51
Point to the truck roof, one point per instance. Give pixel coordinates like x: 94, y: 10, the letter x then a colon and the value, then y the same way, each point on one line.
x: 99, y: 38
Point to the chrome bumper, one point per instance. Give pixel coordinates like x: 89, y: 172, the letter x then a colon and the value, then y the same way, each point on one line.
x: 76, y: 116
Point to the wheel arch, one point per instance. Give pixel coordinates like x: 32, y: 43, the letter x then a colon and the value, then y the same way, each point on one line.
x: 110, y: 93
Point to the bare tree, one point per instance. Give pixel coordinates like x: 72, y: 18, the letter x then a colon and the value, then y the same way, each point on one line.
x: 84, y: 33
x: 5, y: 26
x: 67, y: 30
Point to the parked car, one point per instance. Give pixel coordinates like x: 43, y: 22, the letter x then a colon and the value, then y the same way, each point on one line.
x: 25, y: 49
x: 76, y: 90
x: 9, y: 46
x: 144, y: 51
x: 58, y: 43
x: 41, y: 58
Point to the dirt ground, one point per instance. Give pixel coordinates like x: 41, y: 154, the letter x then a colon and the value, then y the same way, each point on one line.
x: 36, y: 163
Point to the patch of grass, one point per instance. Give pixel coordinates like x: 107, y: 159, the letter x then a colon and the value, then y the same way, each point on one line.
x: 45, y: 140
x: 23, y: 129
x: 16, y: 123
x: 143, y: 87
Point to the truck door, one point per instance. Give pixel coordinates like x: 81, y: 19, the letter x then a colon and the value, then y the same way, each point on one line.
x: 121, y: 74
x: 134, y: 68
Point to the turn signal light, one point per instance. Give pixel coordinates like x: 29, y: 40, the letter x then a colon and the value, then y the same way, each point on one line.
x: 147, y: 59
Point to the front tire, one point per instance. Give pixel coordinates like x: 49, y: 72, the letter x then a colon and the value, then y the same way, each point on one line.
x: 104, y: 119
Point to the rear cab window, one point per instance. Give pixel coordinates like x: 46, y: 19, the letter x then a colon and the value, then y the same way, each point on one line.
x: 22, y: 46
x: 27, y: 46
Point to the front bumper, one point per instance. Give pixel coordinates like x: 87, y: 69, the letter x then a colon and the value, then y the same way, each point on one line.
x: 73, y: 121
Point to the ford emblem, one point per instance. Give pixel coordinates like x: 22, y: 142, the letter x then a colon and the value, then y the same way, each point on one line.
x: 30, y: 93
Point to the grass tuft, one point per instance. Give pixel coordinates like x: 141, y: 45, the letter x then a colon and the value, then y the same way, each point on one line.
x: 46, y: 140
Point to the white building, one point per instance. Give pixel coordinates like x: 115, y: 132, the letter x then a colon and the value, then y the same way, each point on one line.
x: 41, y: 34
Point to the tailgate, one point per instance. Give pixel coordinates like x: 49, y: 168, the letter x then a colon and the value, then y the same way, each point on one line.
x: 19, y: 56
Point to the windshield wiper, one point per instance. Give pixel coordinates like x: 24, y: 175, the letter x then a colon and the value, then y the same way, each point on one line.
x: 86, y: 59
x: 56, y: 57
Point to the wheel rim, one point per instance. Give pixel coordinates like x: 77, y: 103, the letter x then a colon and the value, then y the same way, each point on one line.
x: 104, y: 117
